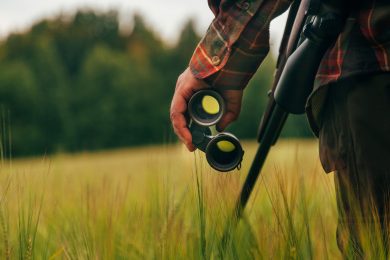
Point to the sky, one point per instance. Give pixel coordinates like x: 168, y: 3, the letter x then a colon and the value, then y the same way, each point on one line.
x: 165, y: 16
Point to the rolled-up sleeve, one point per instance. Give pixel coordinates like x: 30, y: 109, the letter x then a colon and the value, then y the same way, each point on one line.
x: 236, y: 42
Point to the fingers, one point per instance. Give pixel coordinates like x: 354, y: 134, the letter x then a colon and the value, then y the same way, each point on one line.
x: 233, y: 99
x: 186, y: 85
x: 179, y: 124
x: 228, y: 118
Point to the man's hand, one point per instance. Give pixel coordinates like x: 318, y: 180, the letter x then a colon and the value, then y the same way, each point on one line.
x: 186, y: 86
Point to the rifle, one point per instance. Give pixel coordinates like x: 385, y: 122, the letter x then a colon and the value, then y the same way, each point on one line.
x: 312, y: 28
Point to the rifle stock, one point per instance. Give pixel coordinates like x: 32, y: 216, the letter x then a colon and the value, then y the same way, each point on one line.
x: 290, y: 39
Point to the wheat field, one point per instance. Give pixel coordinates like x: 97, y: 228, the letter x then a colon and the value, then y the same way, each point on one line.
x: 165, y: 203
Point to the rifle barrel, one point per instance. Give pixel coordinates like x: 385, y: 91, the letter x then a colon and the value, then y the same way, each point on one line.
x: 276, y: 121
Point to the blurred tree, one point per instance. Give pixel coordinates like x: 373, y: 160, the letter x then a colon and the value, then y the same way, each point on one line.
x: 78, y: 82
x: 185, y: 47
x: 143, y: 44
x: 52, y: 91
x: 111, y: 104
x: 38, y: 52
x: 18, y: 104
x: 76, y: 38
x: 254, y: 101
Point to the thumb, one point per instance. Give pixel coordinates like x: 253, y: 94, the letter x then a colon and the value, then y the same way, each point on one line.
x: 233, y: 100
x: 226, y: 119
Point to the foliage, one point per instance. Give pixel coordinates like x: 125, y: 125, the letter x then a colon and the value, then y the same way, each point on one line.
x: 156, y: 203
x: 79, y: 83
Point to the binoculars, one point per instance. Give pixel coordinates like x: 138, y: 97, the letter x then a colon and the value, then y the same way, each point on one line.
x: 223, y: 151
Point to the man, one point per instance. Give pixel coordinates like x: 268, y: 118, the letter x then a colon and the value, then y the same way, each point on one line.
x: 348, y: 110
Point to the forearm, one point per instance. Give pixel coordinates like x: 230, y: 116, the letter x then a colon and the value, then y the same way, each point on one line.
x: 236, y: 42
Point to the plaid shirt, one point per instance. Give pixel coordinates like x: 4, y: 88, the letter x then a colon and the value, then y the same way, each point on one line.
x: 237, y: 41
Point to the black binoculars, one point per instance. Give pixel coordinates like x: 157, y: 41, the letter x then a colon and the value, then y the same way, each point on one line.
x: 223, y: 151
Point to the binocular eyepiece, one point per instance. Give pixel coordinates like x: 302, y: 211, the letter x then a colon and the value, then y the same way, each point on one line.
x: 223, y: 151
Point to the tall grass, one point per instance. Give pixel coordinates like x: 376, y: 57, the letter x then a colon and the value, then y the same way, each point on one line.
x: 164, y: 203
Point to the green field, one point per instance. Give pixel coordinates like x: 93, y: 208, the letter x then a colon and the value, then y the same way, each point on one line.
x: 165, y: 203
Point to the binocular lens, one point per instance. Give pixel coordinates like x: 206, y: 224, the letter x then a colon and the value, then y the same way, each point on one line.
x: 210, y: 105
x: 226, y: 146
x: 206, y: 107
x: 224, y: 152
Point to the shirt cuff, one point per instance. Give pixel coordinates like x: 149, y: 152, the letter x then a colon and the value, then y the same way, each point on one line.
x: 237, y: 72
x: 235, y: 44
x: 216, y: 47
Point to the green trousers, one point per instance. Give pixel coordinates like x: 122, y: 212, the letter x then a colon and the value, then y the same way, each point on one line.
x: 355, y: 143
